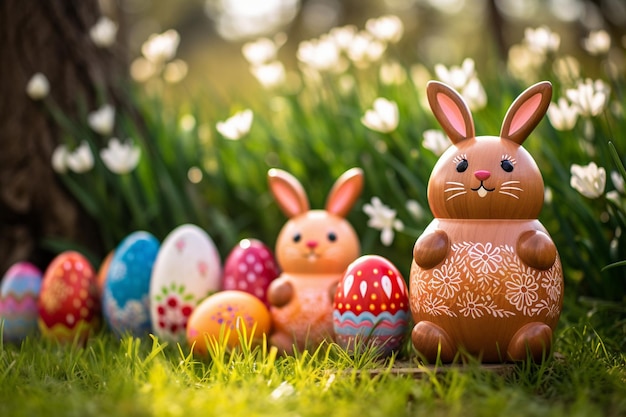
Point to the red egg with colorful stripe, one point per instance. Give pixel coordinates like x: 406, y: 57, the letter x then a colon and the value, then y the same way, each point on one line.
x: 69, y: 307
x: 371, y: 306
x: 250, y: 267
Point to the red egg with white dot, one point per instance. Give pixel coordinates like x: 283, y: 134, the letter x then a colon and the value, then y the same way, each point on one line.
x: 371, y: 306
x: 250, y: 267
x: 69, y: 305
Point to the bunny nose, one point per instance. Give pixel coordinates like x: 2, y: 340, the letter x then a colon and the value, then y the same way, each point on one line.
x: 482, y: 175
x: 311, y: 244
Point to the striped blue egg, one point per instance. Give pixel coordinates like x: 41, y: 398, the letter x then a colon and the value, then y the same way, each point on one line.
x: 125, y: 299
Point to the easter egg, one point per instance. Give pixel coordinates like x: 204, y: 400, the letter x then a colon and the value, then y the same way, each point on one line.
x: 20, y: 289
x: 69, y: 308
x: 125, y: 300
x: 371, y: 306
x: 250, y: 267
x: 186, y: 270
x: 103, y: 271
x: 225, y: 317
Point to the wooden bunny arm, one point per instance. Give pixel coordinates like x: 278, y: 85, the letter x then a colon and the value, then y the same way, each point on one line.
x: 526, y: 112
x: 430, y: 249
x: 288, y: 192
x: 345, y: 192
x: 451, y: 111
x: 280, y: 293
x: 536, y: 249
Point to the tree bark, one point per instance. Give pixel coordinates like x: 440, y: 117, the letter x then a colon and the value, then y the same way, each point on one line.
x: 51, y: 37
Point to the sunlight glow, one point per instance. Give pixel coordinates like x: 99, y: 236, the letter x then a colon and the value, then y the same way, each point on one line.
x: 241, y: 19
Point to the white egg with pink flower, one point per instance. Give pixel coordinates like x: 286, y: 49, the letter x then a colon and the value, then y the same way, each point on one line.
x: 187, y: 269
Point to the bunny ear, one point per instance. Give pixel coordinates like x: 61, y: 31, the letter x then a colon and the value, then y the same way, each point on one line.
x: 288, y: 192
x: 451, y: 111
x: 345, y: 192
x: 526, y: 112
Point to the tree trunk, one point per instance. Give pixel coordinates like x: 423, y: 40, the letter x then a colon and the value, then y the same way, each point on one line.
x: 51, y: 37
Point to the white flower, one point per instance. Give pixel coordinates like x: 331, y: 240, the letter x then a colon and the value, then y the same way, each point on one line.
x: 38, y: 86
x: 598, y: 42
x: 343, y: 36
x: 320, y: 54
x: 415, y: 209
x: 102, y: 120
x: 465, y: 80
x: 387, y: 28
x: 548, y: 195
x: 614, y: 196
x: 120, y: 158
x: 591, y: 97
x: 456, y: 77
x: 236, y: 126
x: 383, y: 117
x: 81, y: 160
x: 618, y: 181
x: 562, y: 115
x: 175, y: 71
x: 474, y: 94
x: 260, y: 52
x: 160, y: 48
x: 141, y: 69
x: 392, y: 73
x: 364, y: 49
x: 524, y: 63
x: 567, y: 69
x: 588, y: 180
x: 542, y: 39
x: 436, y: 141
x: 384, y: 219
x: 103, y: 33
x: 270, y: 75
x: 59, y: 159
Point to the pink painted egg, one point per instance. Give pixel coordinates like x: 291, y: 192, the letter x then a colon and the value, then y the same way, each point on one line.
x: 186, y: 270
x: 20, y: 289
x: 371, y: 305
x: 69, y: 307
x: 227, y: 317
x: 250, y: 267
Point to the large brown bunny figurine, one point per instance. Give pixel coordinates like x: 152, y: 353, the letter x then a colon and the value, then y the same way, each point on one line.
x: 313, y: 249
x: 486, y: 278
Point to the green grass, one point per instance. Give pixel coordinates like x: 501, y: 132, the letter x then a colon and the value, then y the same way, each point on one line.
x: 314, y: 131
x: 140, y: 376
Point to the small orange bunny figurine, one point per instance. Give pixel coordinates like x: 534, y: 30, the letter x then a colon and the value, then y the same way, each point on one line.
x: 313, y: 250
x: 486, y: 278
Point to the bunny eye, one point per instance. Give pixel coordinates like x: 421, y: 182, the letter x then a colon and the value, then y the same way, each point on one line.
x: 297, y: 237
x: 332, y: 236
x: 461, y: 166
x: 506, y: 165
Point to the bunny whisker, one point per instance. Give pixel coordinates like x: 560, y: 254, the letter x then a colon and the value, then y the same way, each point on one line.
x: 455, y: 183
x: 454, y: 189
x: 456, y: 195
x: 512, y: 188
x: 510, y: 182
x: 509, y: 194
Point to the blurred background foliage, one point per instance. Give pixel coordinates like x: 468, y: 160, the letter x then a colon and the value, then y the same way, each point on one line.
x: 311, y: 124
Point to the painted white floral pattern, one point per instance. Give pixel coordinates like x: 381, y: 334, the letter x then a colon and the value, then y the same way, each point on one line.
x: 484, y: 258
x: 482, y: 279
